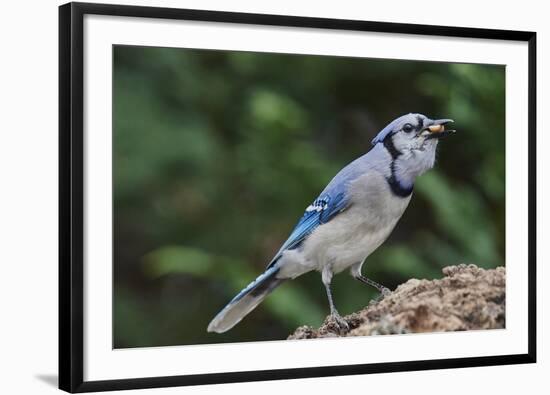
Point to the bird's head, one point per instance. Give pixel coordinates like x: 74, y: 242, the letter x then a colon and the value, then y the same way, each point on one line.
x: 411, y: 140
x: 414, y: 132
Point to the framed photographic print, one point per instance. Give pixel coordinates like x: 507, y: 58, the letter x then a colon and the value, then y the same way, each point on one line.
x: 251, y: 197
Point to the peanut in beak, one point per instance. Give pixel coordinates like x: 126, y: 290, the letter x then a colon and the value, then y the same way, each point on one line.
x: 436, y: 128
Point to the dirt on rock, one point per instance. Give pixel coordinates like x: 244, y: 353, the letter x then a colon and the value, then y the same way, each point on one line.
x: 466, y: 298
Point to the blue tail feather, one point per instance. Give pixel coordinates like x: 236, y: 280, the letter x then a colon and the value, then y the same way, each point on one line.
x: 245, y: 301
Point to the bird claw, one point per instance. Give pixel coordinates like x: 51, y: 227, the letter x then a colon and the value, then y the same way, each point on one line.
x: 383, y: 293
x: 339, y: 322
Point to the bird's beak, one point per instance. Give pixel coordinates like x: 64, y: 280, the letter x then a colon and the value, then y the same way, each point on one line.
x: 437, y: 128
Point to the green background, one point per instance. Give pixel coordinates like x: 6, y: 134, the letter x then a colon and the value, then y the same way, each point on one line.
x: 217, y: 154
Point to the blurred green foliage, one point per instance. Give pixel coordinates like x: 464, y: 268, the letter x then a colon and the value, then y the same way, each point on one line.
x: 217, y: 153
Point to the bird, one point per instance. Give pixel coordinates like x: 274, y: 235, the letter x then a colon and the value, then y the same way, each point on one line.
x: 351, y: 217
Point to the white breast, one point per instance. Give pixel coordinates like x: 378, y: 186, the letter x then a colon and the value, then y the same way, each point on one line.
x: 352, y: 235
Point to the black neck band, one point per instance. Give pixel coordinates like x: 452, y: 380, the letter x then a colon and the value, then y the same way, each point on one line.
x: 395, y: 185
x: 397, y: 188
x: 390, y: 146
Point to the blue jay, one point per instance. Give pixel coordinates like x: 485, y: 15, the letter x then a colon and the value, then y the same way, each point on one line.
x: 351, y: 218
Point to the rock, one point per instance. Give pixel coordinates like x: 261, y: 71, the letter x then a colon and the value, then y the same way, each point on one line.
x: 466, y: 298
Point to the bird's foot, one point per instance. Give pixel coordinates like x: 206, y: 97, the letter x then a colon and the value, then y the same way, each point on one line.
x: 383, y: 293
x: 340, y: 324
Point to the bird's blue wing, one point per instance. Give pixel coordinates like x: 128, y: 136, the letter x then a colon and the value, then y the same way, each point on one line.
x: 322, y: 210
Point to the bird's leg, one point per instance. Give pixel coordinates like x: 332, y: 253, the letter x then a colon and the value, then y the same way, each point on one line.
x: 356, y: 273
x: 379, y: 287
x: 327, y: 277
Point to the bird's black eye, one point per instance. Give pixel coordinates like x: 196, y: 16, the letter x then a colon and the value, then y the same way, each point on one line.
x: 407, y: 128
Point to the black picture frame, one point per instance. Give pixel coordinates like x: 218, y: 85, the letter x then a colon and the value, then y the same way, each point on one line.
x: 71, y: 197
